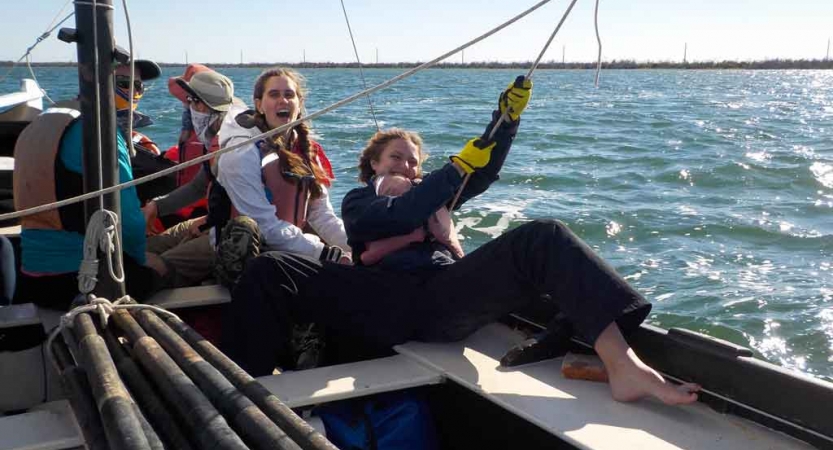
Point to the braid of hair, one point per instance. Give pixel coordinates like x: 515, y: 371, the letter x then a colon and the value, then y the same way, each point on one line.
x: 310, y: 155
x: 303, y: 165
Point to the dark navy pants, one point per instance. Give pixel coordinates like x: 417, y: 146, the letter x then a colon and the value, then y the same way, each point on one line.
x: 540, y: 258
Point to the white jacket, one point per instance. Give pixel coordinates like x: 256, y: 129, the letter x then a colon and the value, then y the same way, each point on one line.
x: 239, y: 171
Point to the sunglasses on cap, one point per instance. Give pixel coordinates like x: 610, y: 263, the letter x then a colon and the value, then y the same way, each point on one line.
x: 123, y: 83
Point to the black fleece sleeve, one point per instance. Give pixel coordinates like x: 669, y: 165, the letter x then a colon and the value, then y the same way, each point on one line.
x: 368, y: 217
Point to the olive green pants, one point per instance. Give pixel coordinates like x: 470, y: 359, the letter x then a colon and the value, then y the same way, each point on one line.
x: 189, y: 259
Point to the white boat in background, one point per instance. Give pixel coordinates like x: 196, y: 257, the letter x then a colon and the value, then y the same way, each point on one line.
x: 17, y: 109
x: 22, y: 106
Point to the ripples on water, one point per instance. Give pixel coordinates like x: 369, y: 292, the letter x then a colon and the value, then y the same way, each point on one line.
x: 710, y: 191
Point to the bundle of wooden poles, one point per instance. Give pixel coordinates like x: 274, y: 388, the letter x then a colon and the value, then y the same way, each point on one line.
x: 148, y: 381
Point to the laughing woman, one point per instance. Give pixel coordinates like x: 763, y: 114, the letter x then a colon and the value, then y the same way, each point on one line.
x: 272, y: 192
x: 424, y: 290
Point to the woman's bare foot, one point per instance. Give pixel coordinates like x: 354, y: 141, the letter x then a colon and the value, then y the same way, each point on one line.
x: 631, y: 379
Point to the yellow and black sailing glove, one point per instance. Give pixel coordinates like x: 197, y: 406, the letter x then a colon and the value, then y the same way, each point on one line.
x: 474, y: 155
x: 515, y: 98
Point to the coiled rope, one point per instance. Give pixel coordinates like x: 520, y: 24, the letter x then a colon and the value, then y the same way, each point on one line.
x: 280, y: 129
x: 102, y: 232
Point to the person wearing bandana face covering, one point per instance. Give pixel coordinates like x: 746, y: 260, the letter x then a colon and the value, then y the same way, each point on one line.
x: 145, y: 70
x: 145, y: 156
x: 185, y: 248
x: 197, y: 137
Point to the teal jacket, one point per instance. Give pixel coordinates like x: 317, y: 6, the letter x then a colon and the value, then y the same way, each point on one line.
x: 52, y: 251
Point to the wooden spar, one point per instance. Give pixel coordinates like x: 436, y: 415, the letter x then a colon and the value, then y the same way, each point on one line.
x: 299, y: 430
x: 121, y: 425
x: 255, y: 427
x: 77, y: 389
x: 127, y: 324
x: 206, y: 427
x: 153, y: 438
x: 146, y: 396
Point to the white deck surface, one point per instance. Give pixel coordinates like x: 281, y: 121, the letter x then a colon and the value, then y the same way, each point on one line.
x: 326, y: 384
x: 582, y: 412
x: 19, y: 315
x: 12, y: 231
x: 51, y: 426
x: 186, y: 297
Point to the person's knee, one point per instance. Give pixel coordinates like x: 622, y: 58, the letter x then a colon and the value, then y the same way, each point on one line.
x: 547, y: 226
x: 551, y: 224
x: 259, y: 270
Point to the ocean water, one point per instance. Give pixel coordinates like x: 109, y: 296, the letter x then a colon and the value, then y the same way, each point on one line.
x: 710, y: 191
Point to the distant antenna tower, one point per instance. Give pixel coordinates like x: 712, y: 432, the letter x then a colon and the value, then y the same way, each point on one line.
x: 563, y: 53
x: 463, y: 57
x: 377, y: 55
x: 827, y: 58
x: 241, y: 57
x: 305, y: 56
x: 685, y: 53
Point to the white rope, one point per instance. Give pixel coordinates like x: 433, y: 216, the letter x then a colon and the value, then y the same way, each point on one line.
x: 132, y: 79
x: 506, y: 113
x: 359, y: 61
x: 41, y: 38
x: 280, y: 129
x: 27, y: 55
x: 32, y: 72
x: 599, y: 40
x: 99, y: 148
x: 105, y: 309
x: 102, y: 233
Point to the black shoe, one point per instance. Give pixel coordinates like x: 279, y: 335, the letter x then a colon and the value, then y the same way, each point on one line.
x: 552, y: 343
x: 307, y: 345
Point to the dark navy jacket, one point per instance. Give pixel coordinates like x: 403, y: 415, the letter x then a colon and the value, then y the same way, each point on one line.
x: 368, y: 217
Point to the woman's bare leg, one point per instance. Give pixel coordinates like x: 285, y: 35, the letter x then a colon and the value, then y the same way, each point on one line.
x: 631, y: 379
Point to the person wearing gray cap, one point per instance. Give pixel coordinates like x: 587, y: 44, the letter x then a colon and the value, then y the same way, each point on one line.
x: 185, y: 249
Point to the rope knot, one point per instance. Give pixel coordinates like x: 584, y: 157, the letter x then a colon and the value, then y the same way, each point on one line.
x: 102, y: 233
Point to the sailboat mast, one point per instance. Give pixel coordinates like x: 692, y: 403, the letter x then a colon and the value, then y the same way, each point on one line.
x: 98, y: 113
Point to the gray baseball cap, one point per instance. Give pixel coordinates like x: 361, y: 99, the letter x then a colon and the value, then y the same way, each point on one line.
x: 212, y: 88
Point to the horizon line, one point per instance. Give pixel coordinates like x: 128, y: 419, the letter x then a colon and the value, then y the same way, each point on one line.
x: 774, y: 63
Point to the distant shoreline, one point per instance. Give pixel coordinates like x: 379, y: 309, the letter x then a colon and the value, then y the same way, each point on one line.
x: 772, y: 64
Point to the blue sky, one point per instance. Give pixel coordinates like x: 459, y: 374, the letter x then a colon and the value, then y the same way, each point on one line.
x: 214, y: 31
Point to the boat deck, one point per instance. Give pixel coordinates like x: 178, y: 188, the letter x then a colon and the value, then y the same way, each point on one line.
x: 582, y: 412
x: 50, y: 426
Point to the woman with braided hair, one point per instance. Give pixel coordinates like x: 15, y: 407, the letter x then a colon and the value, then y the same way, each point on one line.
x: 278, y: 186
x: 424, y: 290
